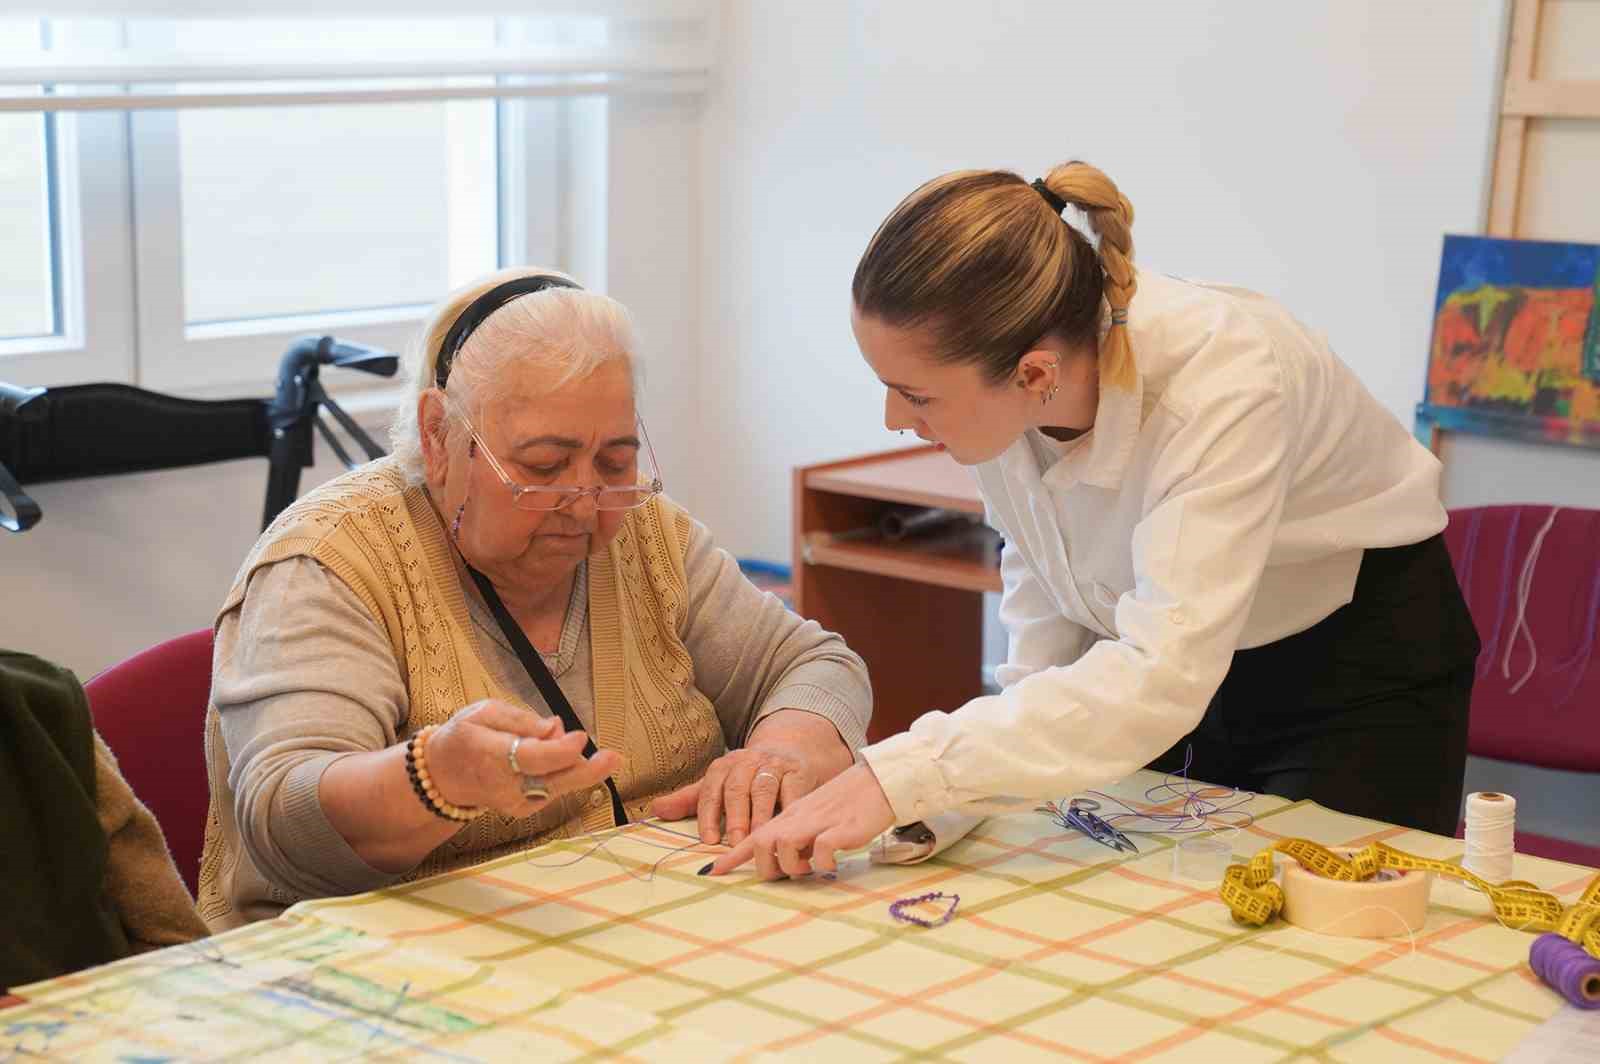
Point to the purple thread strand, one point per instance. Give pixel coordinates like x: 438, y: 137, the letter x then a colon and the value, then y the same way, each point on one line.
x: 1567, y: 969
x: 1582, y: 655
x: 1491, y: 646
x: 1205, y: 809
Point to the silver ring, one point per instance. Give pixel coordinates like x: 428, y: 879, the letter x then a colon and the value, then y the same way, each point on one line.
x: 511, y: 755
x: 768, y: 772
x: 533, y: 787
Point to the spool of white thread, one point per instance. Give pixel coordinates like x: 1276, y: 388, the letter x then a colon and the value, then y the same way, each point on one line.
x: 1491, y: 835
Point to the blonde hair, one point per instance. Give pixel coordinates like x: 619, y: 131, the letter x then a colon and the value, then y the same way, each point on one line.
x: 568, y: 332
x: 985, y: 266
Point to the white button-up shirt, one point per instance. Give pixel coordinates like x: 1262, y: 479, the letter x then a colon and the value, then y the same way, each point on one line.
x: 1221, y: 504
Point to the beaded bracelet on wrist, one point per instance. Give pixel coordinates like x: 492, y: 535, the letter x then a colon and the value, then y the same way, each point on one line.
x: 422, y: 783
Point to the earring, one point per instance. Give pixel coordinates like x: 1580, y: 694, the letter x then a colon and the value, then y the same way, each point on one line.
x: 1047, y: 397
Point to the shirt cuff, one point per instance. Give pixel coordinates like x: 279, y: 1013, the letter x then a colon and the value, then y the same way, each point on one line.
x: 824, y: 703
x: 311, y: 843
x: 908, y: 771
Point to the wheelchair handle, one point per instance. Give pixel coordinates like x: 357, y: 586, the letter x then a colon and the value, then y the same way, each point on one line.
x: 298, y: 372
x: 347, y: 355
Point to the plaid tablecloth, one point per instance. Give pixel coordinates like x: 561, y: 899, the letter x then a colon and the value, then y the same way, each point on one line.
x: 613, y: 946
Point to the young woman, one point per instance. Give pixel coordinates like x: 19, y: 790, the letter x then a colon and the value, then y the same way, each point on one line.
x: 1216, y: 539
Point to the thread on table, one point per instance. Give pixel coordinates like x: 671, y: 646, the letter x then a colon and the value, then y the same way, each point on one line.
x: 1490, y: 835
x: 631, y: 830
x: 1567, y: 969
x: 1205, y: 808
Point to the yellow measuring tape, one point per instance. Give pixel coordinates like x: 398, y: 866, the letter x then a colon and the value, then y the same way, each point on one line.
x: 1251, y: 895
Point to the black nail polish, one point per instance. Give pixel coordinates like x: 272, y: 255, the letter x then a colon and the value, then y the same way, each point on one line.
x: 706, y: 870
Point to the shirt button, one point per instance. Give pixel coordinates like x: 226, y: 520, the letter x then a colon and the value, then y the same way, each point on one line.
x: 596, y: 797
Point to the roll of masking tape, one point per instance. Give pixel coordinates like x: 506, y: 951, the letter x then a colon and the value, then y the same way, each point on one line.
x: 1391, y: 904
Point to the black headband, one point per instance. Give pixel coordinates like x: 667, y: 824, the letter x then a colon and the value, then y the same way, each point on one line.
x: 1057, y: 204
x: 481, y: 308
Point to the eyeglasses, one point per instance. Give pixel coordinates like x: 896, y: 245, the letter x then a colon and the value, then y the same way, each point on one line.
x: 647, y: 484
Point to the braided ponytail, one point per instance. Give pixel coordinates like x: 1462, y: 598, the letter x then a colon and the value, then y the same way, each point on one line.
x: 1111, y: 217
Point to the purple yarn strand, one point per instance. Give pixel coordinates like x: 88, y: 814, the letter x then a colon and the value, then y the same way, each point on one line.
x: 1205, y: 809
x: 1491, y: 646
x: 1585, y: 651
x: 1567, y: 969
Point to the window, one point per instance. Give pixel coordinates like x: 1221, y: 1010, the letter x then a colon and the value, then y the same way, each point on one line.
x: 302, y: 210
x: 260, y: 223
x: 292, y: 211
x: 63, y: 189
x: 28, y: 292
x: 29, y: 296
x: 218, y: 186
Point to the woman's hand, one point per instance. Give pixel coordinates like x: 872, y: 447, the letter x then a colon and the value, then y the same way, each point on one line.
x: 843, y: 814
x: 786, y: 756
x: 467, y: 758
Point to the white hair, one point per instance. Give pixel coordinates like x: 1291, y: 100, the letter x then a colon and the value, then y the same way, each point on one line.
x: 566, y: 332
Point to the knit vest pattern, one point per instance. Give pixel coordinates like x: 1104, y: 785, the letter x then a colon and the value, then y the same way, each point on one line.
x: 382, y: 538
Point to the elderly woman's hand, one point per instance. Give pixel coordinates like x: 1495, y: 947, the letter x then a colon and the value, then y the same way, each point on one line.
x: 788, y: 754
x: 468, y: 758
x: 847, y: 813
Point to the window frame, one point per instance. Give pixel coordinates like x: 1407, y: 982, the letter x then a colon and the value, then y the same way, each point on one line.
x: 93, y: 340
x: 230, y: 357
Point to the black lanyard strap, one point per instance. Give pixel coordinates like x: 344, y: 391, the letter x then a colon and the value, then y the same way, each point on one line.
x: 540, y: 674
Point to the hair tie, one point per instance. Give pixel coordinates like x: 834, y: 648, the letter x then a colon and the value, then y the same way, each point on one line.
x: 1057, y: 204
x: 1119, y: 316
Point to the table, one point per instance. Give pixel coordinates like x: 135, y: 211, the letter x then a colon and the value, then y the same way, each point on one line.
x: 913, y: 609
x: 607, y: 948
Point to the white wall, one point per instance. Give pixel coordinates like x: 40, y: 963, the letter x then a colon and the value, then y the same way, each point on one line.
x: 1300, y: 149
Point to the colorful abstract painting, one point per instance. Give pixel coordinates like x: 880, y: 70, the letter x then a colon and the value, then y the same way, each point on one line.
x: 1516, y: 341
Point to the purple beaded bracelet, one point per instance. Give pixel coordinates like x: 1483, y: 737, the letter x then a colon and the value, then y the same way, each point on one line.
x: 897, y: 909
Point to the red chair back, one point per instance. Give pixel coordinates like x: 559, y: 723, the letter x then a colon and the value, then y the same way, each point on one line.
x: 151, y: 711
x: 1548, y: 719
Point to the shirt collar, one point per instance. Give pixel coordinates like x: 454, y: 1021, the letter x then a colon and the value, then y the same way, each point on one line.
x: 1102, y: 455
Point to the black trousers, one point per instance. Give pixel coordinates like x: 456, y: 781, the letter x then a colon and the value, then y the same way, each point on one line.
x: 1365, y: 712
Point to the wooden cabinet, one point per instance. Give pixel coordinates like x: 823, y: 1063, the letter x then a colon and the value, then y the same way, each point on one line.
x: 913, y: 609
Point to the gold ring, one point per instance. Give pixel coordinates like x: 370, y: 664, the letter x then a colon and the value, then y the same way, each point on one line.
x: 511, y: 755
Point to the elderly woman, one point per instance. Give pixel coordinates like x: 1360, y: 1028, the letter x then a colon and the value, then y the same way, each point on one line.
x: 501, y: 634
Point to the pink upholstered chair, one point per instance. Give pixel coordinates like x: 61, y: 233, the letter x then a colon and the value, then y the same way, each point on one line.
x: 151, y: 711
x: 1541, y: 704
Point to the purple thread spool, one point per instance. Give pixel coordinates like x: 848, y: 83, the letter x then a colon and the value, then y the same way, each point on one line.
x: 1567, y: 969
